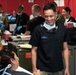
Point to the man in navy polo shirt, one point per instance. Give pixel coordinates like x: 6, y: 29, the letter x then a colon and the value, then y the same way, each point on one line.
x: 49, y: 45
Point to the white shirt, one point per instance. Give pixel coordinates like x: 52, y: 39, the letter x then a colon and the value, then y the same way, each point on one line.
x: 23, y: 70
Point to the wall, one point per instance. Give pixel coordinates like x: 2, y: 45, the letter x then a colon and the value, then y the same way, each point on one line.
x: 10, y: 5
x: 72, y: 5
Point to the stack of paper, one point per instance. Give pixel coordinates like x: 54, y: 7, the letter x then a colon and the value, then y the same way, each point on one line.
x: 25, y: 46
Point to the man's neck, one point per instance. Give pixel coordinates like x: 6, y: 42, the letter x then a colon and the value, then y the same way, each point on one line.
x: 14, y: 67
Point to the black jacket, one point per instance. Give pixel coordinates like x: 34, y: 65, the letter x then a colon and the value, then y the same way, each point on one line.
x: 22, y: 19
x: 31, y: 24
x: 71, y: 19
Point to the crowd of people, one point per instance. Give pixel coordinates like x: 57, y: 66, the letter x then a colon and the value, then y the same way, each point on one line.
x: 49, y: 40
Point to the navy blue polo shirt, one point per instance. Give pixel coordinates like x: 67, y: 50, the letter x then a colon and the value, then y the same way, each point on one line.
x: 50, y: 47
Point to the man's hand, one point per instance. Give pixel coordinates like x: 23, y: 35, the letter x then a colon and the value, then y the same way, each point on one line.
x: 66, y: 72
x: 37, y: 72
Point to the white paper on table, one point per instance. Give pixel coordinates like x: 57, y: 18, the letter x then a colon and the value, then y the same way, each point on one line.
x: 25, y: 46
x: 12, y: 27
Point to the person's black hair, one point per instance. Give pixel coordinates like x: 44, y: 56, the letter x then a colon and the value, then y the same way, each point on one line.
x: 21, y: 7
x: 50, y: 6
x: 67, y: 9
x: 54, y: 3
x: 5, y: 56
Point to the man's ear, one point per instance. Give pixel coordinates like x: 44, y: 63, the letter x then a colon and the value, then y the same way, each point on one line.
x: 12, y: 61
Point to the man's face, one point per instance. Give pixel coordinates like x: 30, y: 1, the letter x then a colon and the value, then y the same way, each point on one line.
x: 64, y: 13
x: 50, y: 16
x: 19, y: 11
x: 34, y: 13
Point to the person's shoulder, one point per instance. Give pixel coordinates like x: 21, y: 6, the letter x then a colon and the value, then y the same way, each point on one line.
x: 25, y: 14
x: 37, y: 20
x: 38, y: 27
x: 72, y: 19
x: 60, y: 23
x: 41, y: 18
x: 31, y: 16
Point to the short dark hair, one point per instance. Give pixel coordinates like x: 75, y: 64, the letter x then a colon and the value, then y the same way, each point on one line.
x: 5, y: 55
x: 36, y: 8
x: 54, y: 3
x: 67, y: 9
x: 50, y: 6
x: 21, y: 7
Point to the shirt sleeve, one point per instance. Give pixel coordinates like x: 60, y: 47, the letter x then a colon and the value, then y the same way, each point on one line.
x: 35, y: 37
x: 66, y: 35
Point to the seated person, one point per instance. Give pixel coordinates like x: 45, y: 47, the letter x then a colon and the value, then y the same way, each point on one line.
x: 9, y: 63
x: 12, y: 17
x: 12, y: 22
